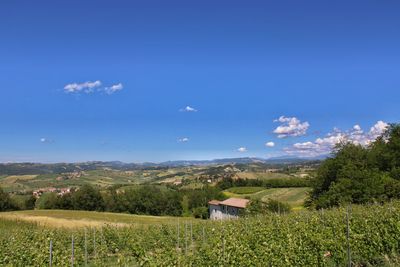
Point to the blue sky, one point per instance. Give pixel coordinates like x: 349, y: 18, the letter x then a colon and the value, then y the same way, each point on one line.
x: 240, y: 65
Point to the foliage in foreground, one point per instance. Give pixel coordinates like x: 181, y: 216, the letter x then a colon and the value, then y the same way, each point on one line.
x: 308, y: 238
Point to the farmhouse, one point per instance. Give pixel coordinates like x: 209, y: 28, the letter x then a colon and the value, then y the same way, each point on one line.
x: 227, y: 209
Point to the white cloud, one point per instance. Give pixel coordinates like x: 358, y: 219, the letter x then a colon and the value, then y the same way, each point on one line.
x: 378, y: 128
x: 89, y: 87
x: 188, y: 109
x: 86, y: 87
x: 242, y: 149
x: 183, y: 140
x: 114, y: 88
x: 45, y: 140
x: 290, y: 126
x: 269, y: 144
x: 357, y: 127
x: 324, y: 145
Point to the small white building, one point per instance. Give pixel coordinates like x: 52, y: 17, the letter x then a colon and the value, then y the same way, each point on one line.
x: 227, y: 209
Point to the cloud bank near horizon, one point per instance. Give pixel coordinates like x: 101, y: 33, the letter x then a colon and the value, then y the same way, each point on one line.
x: 325, y: 145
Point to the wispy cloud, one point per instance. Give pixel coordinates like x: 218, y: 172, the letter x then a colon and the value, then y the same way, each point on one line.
x: 290, y: 126
x: 324, y: 145
x: 114, y: 88
x: 183, y: 140
x: 86, y: 87
x: 242, y: 149
x: 269, y: 144
x: 188, y: 109
x: 89, y: 87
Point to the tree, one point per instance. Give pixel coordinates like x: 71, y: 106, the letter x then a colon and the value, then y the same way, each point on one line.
x: 5, y: 201
x: 151, y: 200
x: 65, y: 202
x: 225, y: 183
x: 30, y: 202
x: 357, y: 174
x: 87, y: 198
x: 47, y: 200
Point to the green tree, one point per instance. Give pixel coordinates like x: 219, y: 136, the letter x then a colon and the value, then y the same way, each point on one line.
x: 30, y: 202
x: 65, y: 202
x: 87, y: 198
x: 357, y: 174
x: 5, y: 201
x: 47, y: 200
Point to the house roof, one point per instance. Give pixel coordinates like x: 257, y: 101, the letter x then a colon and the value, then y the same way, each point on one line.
x: 232, y: 202
x: 214, y: 202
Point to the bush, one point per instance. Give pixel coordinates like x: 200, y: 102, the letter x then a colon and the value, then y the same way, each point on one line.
x: 277, y: 206
x: 260, y: 207
x: 201, y: 213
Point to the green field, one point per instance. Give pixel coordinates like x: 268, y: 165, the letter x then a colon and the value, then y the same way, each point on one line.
x: 245, y: 190
x: 294, y: 196
x: 262, y: 175
x: 305, y: 238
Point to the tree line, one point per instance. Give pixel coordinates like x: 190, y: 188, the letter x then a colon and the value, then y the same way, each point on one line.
x: 142, y: 199
x: 358, y: 174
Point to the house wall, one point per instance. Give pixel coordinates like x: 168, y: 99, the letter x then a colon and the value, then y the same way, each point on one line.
x: 219, y: 212
x: 215, y: 212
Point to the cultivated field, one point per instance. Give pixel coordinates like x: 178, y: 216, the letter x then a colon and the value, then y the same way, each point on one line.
x: 262, y: 175
x: 364, y: 236
x: 294, y: 196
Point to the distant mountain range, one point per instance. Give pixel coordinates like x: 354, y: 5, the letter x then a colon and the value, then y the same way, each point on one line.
x: 48, y: 168
x: 245, y: 160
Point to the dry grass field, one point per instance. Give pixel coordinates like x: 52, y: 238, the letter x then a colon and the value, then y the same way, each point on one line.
x: 80, y: 219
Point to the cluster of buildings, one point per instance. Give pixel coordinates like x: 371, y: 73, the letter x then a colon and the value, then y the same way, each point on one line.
x: 59, y: 191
